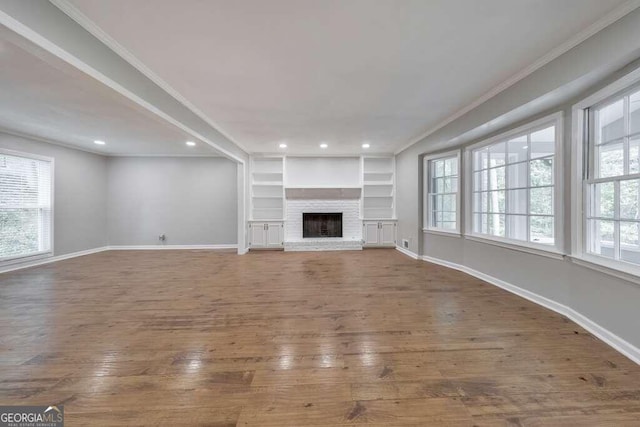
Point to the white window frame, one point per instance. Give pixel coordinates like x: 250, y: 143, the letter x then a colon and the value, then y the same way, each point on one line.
x: 557, y: 249
x: 42, y: 254
x: 579, y: 169
x: 426, y: 173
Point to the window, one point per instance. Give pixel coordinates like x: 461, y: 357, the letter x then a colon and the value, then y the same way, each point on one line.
x: 613, y: 179
x: 442, y: 186
x: 514, y: 196
x: 25, y: 205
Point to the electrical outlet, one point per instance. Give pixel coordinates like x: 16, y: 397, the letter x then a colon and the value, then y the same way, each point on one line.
x: 405, y: 243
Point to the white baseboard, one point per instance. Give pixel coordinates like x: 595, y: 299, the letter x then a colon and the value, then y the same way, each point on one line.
x: 48, y: 260
x: 407, y: 252
x: 169, y: 247
x: 605, y: 335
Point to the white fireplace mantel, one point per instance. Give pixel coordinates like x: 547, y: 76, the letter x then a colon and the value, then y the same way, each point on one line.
x: 322, y: 193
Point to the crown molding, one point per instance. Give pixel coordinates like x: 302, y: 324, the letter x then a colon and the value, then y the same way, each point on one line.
x: 574, y: 41
x: 74, y: 13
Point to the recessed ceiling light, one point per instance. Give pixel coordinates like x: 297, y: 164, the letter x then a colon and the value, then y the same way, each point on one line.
x: 365, y: 145
x: 98, y: 142
x: 283, y: 145
x: 324, y: 145
x: 191, y: 143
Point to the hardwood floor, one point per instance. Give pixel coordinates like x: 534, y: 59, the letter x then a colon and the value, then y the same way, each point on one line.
x: 297, y: 339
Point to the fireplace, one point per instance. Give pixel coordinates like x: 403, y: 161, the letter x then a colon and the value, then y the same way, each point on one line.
x: 321, y: 225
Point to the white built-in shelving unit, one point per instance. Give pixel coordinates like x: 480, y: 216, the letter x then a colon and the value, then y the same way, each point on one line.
x: 378, y: 187
x: 267, y: 188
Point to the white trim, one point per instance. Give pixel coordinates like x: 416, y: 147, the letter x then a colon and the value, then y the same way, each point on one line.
x: 601, y: 265
x: 48, y: 260
x: 74, y: 13
x: 54, y: 49
x: 169, y: 247
x: 605, y: 335
x: 583, y: 35
x: 407, y: 252
x: 439, y: 232
x: 557, y: 120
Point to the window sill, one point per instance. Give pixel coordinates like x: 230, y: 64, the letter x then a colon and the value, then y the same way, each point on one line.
x: 551, y: 252
x: 25, y: 258
x: 455, y: 234
x: 622, y: 271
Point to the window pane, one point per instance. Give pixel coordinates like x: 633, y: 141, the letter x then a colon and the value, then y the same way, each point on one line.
x: 450, y: 185
x: 517, y: 202
x: 481, y: 223
x: 609, y: 122
x: 497, y: 178
x: 481, y: 158
x: 517, y: 227
x: 541, y: 201
x: 449, y: 203
x: 436, y: 203
x: 634, y: 155
x: 629, y: 197
x: 481, y: 180
x: 438, y: 185
x: 601, y: 237
x: 603, y: 200
x: 610, y: 159
x: 448, y: 225
x: 517, y: 149
x: 18, y: 231
x: 25, y: 206
x: 449, y: 217
x: 497, y: 154
x: 480, y: 202
x: 541, y: 229
x: 629, y: 243
x: 518, y: 177
x: 541, y: 172
x: 451, y: 166
x: 438, y: 168
x: 496, y: 201
x: 543, y: 142
x: 634, y: 113
x: 496, y: 225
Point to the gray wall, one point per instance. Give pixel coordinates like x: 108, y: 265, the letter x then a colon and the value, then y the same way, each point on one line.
x: 192, y: 200
x: 80, y: 194
x: 606, y: 300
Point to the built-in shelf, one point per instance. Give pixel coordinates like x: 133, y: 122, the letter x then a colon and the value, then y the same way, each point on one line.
x: 378, y: 197
x: 267, y: 189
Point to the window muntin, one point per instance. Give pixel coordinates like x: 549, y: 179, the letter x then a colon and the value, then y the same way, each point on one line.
x: 513, y: 192
x: 443, y: 193
x: 613, y: 180
x: 25, y: 206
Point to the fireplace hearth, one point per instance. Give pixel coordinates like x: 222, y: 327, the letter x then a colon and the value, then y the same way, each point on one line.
x: 318, y: 225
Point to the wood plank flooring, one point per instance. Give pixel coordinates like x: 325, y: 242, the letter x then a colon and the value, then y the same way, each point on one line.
x: 297, y: 339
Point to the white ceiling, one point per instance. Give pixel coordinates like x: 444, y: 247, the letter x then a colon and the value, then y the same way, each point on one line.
x: 45, y: 97
x: 340, y: 71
